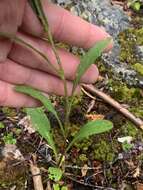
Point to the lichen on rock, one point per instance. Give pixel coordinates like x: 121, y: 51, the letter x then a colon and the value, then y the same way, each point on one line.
x: 114, y: 20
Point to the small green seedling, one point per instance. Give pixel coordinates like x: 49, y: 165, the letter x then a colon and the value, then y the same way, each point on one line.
x: 55, y: 174
x: 9, y: 139
x: 135, y: 4
x: 127, y: 146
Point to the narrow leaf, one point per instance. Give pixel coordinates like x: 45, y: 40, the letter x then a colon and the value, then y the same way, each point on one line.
x: 37, y: 95
x: 42, y: 125
x: 89, y: 58
x: 91, y: 128
x: 56, y: 187
x: 43, y: 99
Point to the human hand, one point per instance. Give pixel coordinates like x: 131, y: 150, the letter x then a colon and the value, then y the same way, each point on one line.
x: 23, y: 66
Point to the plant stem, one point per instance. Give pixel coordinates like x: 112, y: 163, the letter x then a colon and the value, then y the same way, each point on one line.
x: 45, y: 24
x: 70, y: 104
x: 19, y: 40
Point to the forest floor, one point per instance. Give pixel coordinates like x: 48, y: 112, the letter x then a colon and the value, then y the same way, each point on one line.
x: 110, y: 161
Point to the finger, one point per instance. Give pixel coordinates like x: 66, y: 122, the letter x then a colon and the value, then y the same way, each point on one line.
x: 9, y: 97
x: 11, y: 13
x: 27, y: 57
x: 18, y: 74
x: 64, y: 26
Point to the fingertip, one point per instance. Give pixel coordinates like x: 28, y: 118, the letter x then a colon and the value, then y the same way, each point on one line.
x: 96, y: 34
x: 106, y: 35
x: 91, y: 75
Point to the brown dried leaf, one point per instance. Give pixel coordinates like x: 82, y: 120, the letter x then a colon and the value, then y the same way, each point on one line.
x: 84, y: 170
x: 94, y: 117
x: 137, y: 172
x: 140, y: 186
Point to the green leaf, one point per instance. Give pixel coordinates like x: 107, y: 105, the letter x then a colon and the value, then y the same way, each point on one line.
x: 43, y: 99
x: 136, y: 6
x: 2, y: 125
x: 37, y: 95
x: 127, y: 146
x: 91, y: 128
x: 9, y: 139
x: 55, y: 174
x: 64, y: 188
x: 42, y: 125
x: 89, y: 58
x: 56, y: 187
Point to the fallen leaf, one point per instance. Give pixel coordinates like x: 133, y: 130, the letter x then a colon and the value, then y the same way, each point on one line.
x: 137, y: 172
x: 140, y: 186
x: 93, y: 117
x: 127, y: 139
x: 27, y: 124
x: 84, y: 170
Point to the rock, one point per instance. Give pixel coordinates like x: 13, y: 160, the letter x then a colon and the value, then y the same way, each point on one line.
x: 12, y: 167
x: 114, y: 19
x: 139, y: 52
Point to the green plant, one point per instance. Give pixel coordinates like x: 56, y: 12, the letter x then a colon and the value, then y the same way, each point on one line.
x: 127, y: 146
x: 135, y: 4
x: 2, y: 125
x: 9, y: 139
x: 38, y: 117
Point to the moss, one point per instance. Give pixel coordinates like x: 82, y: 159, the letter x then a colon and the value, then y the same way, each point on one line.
x: 73, y: 130
x: 129, y: 130
x: 121, y: 92
x: 103, y: 151
x: 9, y: 112
x: 9, y: 139
x: 83, y: 157
x: 138, y: 111
x: 84, y: 145
x: 129, y: 39
x: 138, y: 67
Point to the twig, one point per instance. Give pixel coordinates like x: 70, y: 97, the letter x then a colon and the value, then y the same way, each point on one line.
x: 87, y: 184
x: 115, y: 104
x: 48, y: 186
x: 78, y: 167
x: 37, y: 180
x: 89, y: 95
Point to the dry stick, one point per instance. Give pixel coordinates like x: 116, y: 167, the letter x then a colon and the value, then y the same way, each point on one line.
x: 115, y: 104
x: 37, y: 180
x: 48, y: 186
x: 87, y: 184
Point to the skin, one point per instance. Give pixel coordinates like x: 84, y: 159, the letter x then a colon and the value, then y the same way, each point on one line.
x: 20, y: 65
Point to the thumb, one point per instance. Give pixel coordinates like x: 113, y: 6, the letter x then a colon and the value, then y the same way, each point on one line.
x: 11, y: 13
